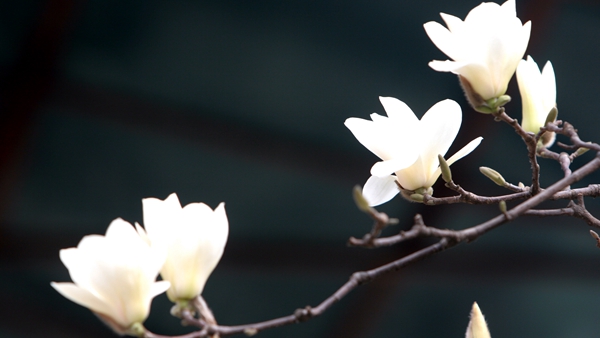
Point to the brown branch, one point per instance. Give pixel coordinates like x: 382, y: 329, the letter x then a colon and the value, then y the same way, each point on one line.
x: 550, y: 212
x: 419, y: 229
x: 381, y: 220
x: 357, y: 278
x: 449, y: 239
x: 531, y: 143
x: 568, y: 130
x: 471, y: 198
x: 582, y: 213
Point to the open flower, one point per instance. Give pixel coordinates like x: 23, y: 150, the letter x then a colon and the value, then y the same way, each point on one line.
x: 409, y: 147
x: 538, y: 94
x: 194, y: 237
x: 486, y: 48
x: 477, y: 327
x: 114, y: 276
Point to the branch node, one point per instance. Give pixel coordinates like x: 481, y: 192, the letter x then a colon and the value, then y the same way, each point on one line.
x: 303, y: 315
x: 361, y: 277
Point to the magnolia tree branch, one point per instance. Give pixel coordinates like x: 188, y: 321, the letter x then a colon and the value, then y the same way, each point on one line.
x: 449, y: 238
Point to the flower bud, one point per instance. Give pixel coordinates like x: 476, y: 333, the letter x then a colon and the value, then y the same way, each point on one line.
x: 538, y: 94
x: 502, y: 206
x: 493, y: 175
x: 477, y: 327
x: 581, y: 150
x: 417, y: 198
x: 445, y: 168
x: 360, y: 201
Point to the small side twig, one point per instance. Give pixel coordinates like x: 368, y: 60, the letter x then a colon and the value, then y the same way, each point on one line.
x: 531, y: 143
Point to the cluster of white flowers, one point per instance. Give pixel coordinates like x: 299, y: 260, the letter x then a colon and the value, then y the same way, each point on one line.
x: 486, y: 49
x: 115, y: 275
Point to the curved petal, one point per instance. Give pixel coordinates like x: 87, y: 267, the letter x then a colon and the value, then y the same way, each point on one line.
x: 378, y: 190
x: 415, y: 176
x: 509, y: 8
x: 158, y: 287
x: 82, y: 297
x: 386, y: 137
x: 439, y: 127
x: 157, y: 213
x: 442, y: 38
x: 454, y: 24
x: 369, y: 135
x: 549, y: 83
x: 398, y: 111
x: 385, y: 168
x: 464, y: 151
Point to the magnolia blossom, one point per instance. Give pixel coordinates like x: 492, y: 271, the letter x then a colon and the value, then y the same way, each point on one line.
x: 538, y: 93
x: 409, y: 147
x: 486, y: 47
x: 477, y: 327
x: 194, y: 237
x: 114, y: 276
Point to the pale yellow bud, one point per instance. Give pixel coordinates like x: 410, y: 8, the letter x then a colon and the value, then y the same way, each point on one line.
x: 477, y: 327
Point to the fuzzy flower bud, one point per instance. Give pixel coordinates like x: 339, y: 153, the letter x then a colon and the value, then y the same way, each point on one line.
x: 477, y: 327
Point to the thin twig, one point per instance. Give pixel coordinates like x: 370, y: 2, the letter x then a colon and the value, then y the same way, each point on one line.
x: 531, y: 143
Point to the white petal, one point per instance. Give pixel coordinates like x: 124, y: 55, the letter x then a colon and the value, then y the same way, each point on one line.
x: 387, y: 138
x: 82, y: 297
x: 158, y: 214
x: 454, y: 24
x: 442, y: 38
x: 414, y: 177
x: 159, y: 287
x: 439, y: 127
x: 464, y: 151
x: 509, y: 8
x: 398, y: 111
x: 378, y: 190
x: 369, y: 135
x: 385, y: 168
x: 549, y: 80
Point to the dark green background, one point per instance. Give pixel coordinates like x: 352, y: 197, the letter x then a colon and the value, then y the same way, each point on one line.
x: 104, y: 103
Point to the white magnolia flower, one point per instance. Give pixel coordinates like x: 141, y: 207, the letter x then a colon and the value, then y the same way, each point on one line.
x: 486, y: 47
x: 408, y: 147
x: 114, y: 275
x: 194, y: 237
x: 538, y: 93
x: 477, y: 327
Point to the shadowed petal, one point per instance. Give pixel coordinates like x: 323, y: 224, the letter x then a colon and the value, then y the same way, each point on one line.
x: 378, y: 190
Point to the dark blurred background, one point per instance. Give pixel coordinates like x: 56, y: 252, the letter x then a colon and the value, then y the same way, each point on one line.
x: 103, y: 103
